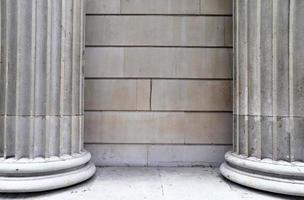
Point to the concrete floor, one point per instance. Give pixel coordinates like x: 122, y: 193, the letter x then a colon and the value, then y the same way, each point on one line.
x: 153, y: 184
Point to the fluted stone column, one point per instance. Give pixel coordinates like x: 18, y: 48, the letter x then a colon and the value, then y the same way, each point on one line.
x: 268, y: 149
x: 41, y: 95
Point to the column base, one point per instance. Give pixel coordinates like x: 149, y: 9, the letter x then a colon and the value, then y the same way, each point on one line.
x: 268, y: 175
x: 45, y: 175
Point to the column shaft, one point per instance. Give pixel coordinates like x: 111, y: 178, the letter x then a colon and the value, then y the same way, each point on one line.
x: 268, y: 96
x: 41, y: 87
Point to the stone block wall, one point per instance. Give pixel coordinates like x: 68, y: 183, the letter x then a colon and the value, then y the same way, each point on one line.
x: 158, y: 82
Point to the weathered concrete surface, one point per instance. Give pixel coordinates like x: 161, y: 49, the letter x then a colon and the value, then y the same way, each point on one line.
x: 154, y: 184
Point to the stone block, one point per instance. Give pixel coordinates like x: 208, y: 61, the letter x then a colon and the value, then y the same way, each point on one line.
x: 157, y: 155
x: 158, y: 127
x: 186, y: 155
x: 118, y: 155
x: 156, y: 30
x: 159, y: 62
x: 104, y: 62
x: 160, y: 6
x: 117, y: 94
x: 228, y: 31
x: 216, y: 7
x: 102, y: 6
x: 191, y: 95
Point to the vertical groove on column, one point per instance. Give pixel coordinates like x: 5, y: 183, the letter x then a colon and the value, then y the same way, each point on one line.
x: 246, y: 80
x: 2, y: 83
x: 258, y: 151
x: 243, y: 77
x: 251, y: 46
x: 62, y: 78
x: 11, y: 86
x: 236, y: 79
x: 254, y: 79
x: 281, y: 136
x: 282, y: 79
x: 75, y: 77
x: 4, y: 75
x: 291, y: 82
x: 81, y: 79
x: 274, y: 79
x: 65, y: 82
x: 297, y: 76
x: 73, y: 56
x: 266, y: 66
x: 32, y: 103
x: 40, y: 78
x: 19, y: 143
x: 49, y: 11
x: 53, y: 103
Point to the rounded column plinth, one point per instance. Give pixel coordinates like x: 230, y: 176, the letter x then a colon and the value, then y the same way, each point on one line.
x: 39, y: 174
x: 268, y: 175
